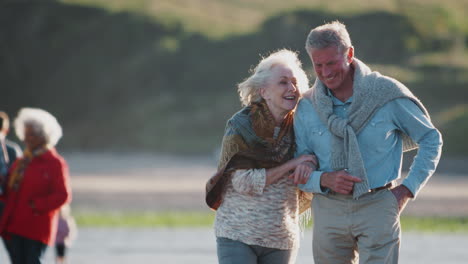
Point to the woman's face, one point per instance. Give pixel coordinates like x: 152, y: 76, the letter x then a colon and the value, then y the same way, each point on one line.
x: 280, y: 92
x: 32, y: 140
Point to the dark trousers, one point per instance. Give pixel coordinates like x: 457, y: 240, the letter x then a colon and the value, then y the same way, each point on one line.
x: 60, y: 250
x: 25, y: 251
x: 234, y: 252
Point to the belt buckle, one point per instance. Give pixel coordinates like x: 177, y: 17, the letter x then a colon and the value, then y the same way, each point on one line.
x: 386, y: 186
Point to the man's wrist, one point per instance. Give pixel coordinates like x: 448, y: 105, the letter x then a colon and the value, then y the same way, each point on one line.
x: 323, y: 187
x: 403, y: 191
x: 406, y: 191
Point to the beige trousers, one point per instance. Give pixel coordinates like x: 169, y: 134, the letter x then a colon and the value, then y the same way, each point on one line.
x: 366, y: 230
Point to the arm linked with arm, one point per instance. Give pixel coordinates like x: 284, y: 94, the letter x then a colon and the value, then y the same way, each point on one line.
x: 253, y: 181
x: 302, y: 147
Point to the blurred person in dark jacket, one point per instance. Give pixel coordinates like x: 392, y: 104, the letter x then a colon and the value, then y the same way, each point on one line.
x: 9, y: 150
x: 36, y: 188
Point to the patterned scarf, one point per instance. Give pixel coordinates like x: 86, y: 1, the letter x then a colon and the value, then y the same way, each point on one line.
x: 250, y: 142
x: 371, y: 90
x: 17, y: 175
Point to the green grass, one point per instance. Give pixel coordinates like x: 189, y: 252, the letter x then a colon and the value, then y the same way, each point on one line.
x: 435, y: 224
x: 144, y: 219
x: 206, y: 219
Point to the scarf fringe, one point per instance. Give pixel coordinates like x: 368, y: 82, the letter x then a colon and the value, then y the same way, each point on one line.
x: 304, y: 219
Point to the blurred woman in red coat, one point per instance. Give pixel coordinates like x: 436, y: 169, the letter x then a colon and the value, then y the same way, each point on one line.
x: 37, y: 186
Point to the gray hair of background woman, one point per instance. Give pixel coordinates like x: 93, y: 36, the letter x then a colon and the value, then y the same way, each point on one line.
x: 42, y: 122
x: 331, y: 34
x: 249, y: 89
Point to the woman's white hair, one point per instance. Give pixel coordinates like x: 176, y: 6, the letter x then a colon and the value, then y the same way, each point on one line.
x: 42, y: 122
x: 249, y: 89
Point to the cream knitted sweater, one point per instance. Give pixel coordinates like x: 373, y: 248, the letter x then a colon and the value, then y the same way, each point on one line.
x: 261, y: 215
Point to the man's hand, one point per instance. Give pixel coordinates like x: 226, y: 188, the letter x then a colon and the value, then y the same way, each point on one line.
x: 339, y: 181
x: 402, y: 195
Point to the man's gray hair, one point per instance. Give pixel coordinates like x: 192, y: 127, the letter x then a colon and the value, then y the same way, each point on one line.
x: 249, y: 89
x: 330, y: 34
x: 42, y: 122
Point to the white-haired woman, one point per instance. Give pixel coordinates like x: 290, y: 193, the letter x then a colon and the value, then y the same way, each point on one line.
x: 257, y: 202
x: 37, y: 187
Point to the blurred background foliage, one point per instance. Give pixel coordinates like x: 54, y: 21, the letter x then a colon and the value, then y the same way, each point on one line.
x: 161, y: 75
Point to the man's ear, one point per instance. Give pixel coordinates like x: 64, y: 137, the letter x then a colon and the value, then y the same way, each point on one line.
x: 350, y: 55
x: 262, y: 93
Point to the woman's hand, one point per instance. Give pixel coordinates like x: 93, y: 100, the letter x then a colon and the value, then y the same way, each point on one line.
x: 285, y: 170
x: 304, y: 158
x: 302, y: 173
x: 304, y: 166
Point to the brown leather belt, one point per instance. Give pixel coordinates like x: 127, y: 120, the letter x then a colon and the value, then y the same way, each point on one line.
x: 386, y: 186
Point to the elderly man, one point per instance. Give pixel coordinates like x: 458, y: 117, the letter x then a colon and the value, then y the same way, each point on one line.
x: 358, y: 123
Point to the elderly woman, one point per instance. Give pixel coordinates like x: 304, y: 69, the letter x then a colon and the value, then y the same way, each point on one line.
x: 257, y: 202
x: 37, y: 187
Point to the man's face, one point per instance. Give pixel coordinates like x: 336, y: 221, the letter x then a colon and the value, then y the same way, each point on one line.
x: 331, y: 65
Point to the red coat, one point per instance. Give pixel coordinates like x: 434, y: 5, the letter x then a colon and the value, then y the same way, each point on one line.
x: 46, y: 184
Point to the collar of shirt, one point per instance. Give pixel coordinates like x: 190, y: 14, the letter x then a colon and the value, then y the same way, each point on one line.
x: 337, y: 101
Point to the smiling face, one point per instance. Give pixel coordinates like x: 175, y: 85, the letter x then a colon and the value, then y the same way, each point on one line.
x: 332, y: 67
x: 280, y: 91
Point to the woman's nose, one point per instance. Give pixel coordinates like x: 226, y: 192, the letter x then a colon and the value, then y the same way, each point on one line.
x: 292, y: 87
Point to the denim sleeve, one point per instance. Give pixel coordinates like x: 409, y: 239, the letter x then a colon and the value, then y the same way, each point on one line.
x: 302, y: 147
x: 313, y: 184
x: 412, y: 121
x: 300, y: 133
